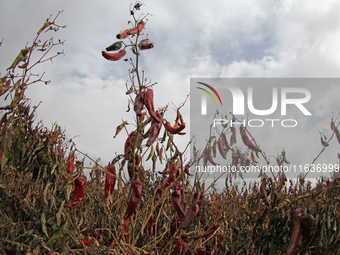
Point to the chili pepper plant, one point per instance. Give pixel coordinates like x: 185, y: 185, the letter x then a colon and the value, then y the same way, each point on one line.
x: 142, y: 201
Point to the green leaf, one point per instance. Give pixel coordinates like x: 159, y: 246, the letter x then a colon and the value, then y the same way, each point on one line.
x: 129, y: 91
x: 114, y: 46
x: 55, y: 236
x: 146, y: 135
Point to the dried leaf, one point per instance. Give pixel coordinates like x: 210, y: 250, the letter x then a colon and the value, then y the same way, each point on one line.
x: 120, y: 127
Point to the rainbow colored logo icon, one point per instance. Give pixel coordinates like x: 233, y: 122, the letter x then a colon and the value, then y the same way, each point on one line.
x: 209, y: 93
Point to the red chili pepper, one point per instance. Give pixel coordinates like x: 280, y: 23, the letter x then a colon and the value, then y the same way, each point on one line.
x: 176, y: 200
x: 110, y: 180
x: 174, y: 130
x: 178, y: 116
x: 209, y: 232
x: 128, y: 144
x: 155, y: 129
x: 186, y: 170
x: 221, y: 150
x: 253, y: 157
x: 158, y: 195
x: 145, y: 44
x: 201, y: 251
x: 79, y: 192
x: 86, y: 241
x: 175, y: 223
x: 1, y: 153
x: 209, y: 155
x: 114, y: 56
x: 307, y: 224
x: 137, y: 29
x: 123, y: 34
x: 296, y: 230
x: 148, y: 102
x: 191, y: 214
x: 226, y: 141
x: 125, y: 225
x: 70, y: 164
x: 139, y: 103
x: 172, y: 175
x: 247, y: 142
x: 137, y: 187
x: 130, y: 165
x: 178, y: 242
x: 149, y: 227
x: 202, y: 220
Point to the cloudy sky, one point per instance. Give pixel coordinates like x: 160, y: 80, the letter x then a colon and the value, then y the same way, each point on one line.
x: 217, y: 39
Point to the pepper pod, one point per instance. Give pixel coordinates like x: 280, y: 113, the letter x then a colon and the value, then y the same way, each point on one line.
x: 110, y: 181
x: 79, y: 192
x: 137, y: 187
x: 148, y: 102
x: 155, y: 129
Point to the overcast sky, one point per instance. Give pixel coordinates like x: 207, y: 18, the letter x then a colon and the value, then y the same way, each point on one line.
x: 217, y: 39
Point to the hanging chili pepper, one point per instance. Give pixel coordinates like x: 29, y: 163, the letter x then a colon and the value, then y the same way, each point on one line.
x: 137, y: 29
x: 148, y: 102
x: 149, y: 227
x: 247, y: 142
x: 192, y: 212
x: 155, y: 129
x: 114, y: 56
x: 70, y: 164
x: 209, y: 232
x: 123, y: 34
x: 158, y: 195
x: 221, y: 150
x: 175, y: 223
x: 79, y: 192
x: 307, y: 224
x: 253, y: 157
x: 176, y: 200
x: 110, y: 180
x: 135, y: 197
x: 125, y: 225
x: 186, y: 170
x: 226, y: 141
x: 130, y: 165
x: 128, y: 144
x: 209, y: 155
x: 139, y: 103
x: 296, y: 229
x: 172, y: 175
x: 145, y: 44
x: 178, y: 242
x: 174, y: 130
